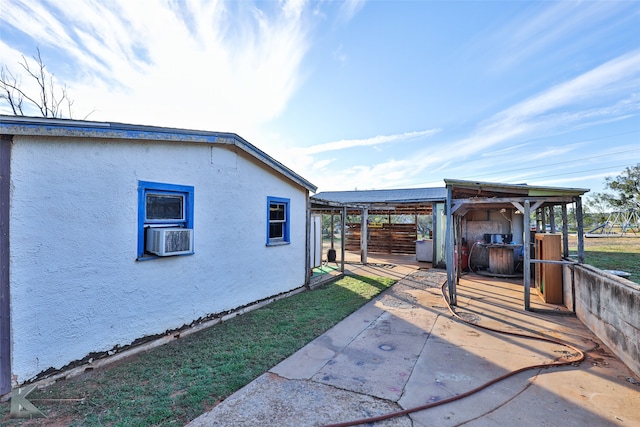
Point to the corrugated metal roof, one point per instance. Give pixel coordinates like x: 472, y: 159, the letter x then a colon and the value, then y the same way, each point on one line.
x: 409, y: 195
x: 39, y: 126
x: 428, y: 195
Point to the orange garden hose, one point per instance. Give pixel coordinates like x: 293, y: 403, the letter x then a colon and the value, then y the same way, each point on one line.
x: 578, y: 356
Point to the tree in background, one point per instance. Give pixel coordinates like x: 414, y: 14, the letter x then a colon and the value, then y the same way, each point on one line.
x: 47, y: 98
x: 626, y: 188
x: 627, y: 185
x: 596, y: 210
x: 425, y: 225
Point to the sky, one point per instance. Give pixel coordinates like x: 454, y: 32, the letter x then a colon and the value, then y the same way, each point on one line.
x: 359, y: 95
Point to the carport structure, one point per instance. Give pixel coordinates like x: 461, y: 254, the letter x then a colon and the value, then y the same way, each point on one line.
x: 416, y: 201
x: 455, y: 209
x: 466, y: 199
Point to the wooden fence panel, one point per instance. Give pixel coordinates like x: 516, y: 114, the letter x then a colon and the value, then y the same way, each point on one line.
x: 389, y: 239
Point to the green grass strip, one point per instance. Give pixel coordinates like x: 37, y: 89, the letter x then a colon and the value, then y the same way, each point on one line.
x: 174, y: 383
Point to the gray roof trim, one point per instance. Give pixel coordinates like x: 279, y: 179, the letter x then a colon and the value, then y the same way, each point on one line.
x: 38, y: 126
x: 532, y: 190
x: 387, y: 197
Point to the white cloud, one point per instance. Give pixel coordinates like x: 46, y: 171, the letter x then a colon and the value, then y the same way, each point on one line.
x: 319, y: 165
x: 610, y: 84
x: 350, y: 8
x: 616, y: 78
x: 225, y: 66
x: 376, y: 140
x: 618, y: 75
x: 339, y: 54
x: 545, y: 27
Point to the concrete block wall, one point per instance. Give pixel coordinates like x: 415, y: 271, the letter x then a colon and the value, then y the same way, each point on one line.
x: 609, y: 306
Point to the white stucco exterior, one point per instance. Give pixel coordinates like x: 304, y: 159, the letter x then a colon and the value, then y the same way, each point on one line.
x: 76, y: 287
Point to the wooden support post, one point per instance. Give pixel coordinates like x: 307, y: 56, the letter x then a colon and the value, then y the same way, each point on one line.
x: 458, y: 239
x: 364, y: 230
x: 580, y: 230
x: 343, y: 235
x: 565, y: 232
x: 527, y: 255
x: 451, y: 267
x: 332, y: 230
x: 307, y: 244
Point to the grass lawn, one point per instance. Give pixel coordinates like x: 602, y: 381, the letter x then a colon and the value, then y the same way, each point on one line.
x: 611, y: 253
x: 172, y: 384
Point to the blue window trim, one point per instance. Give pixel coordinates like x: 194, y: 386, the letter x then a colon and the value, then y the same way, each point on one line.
x: 145, y: 187
x: 286, y: 238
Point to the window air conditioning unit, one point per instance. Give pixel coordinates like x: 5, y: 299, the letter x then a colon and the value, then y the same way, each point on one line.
x: 169, y: 241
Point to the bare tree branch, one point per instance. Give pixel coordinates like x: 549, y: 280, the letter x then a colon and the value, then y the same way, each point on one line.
x: 8, y: 84
x: 49, y: 100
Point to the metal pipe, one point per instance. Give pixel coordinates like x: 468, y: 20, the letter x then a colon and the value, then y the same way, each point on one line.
x: 549, y: 261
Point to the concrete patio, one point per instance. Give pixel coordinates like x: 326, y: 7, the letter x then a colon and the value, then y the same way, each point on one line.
x: 404, y: 349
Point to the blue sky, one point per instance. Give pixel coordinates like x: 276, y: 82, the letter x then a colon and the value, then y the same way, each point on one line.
x: 361, y: 94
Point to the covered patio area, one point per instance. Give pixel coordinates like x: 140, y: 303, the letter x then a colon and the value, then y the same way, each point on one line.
x: 367, y: 226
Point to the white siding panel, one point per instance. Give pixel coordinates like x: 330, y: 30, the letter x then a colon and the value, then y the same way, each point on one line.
x: 76, y: 287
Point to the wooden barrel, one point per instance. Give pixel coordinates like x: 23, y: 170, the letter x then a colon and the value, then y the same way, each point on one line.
x: 501, y: 259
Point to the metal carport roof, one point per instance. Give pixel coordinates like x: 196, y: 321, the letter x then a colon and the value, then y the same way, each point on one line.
x: 386, y: 197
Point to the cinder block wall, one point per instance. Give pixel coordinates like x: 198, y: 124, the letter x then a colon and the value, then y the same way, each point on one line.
x: 610, y: 306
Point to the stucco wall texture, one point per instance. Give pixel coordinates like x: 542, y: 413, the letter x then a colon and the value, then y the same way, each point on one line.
x: 76, y: 287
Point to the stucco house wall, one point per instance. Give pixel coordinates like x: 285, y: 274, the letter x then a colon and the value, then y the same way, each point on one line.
x: 76, y: 286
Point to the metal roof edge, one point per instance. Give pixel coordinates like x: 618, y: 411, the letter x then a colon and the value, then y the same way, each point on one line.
x: 382, y: 197
x: 267, y: 159
x: 533, y: 189
x: 386, y: 190
x: 40, y: 126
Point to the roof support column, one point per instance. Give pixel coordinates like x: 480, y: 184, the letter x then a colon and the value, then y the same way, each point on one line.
x: 580, y: 229
x: 451, y: 267
x: 527, y: 254
x: 343, y: 227
x: 565, y: 232
x: 364, y: 232
x: 307, y: 245
x: 332, y: 230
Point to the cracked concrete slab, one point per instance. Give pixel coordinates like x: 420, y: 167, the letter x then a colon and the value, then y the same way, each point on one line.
x: 404, y: 349
x: 307, y: 361
x: 379, y: 361
x: 271, y: 400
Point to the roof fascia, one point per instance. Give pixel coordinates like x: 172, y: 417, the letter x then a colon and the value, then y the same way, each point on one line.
x: 539, y: 191
x: 386, y: 202
x: 29, y: 126
x: 507, y: 200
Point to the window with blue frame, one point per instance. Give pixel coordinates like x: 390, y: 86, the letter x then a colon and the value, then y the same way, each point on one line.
x: 165, y: 220
x: 278, y: 221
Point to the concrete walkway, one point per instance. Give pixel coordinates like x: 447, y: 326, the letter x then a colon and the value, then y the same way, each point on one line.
x: 404, y: 349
